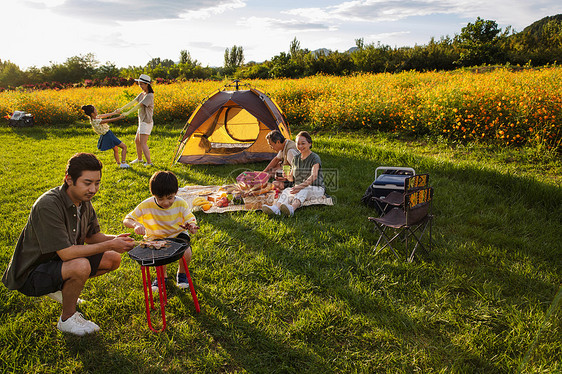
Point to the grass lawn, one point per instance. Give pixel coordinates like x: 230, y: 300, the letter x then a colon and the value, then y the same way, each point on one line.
x: 306, y: 294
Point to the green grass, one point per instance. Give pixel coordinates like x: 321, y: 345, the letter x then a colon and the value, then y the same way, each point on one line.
x: 307, y: 294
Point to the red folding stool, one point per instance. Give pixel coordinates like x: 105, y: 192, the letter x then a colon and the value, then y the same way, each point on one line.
x: 148, y: 258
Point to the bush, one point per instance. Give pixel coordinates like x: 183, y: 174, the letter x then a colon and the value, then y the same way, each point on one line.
x: 500, y: 106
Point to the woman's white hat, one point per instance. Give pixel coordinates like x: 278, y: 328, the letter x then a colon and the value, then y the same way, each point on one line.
x: 144, y: 79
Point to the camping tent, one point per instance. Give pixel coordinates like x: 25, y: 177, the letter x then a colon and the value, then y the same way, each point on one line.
x: 229, y: 127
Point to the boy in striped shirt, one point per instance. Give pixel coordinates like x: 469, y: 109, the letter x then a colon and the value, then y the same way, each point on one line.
x: 164, y: 215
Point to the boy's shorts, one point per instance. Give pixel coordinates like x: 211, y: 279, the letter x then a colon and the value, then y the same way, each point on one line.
x: 47, y: 277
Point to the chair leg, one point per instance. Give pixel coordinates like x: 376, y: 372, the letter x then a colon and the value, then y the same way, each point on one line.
x: 387, y: 239
x: 418, y: 243
x: 381, y: 209
x: 419, y: 239
x: 430, y: 227
x: 380, y: 237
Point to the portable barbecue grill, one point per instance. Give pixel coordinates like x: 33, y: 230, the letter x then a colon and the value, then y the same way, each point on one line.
x: 148, y: 257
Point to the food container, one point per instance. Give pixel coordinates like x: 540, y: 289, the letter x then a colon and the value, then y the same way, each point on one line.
x: 216, y: 196
x: 256, y: 202
x: 249, y: 179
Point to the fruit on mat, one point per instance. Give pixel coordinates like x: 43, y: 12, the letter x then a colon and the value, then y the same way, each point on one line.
x: 222, y: 202
x: 199, y: 201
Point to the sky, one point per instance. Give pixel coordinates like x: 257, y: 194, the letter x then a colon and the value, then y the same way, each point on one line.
x: 132, y: 32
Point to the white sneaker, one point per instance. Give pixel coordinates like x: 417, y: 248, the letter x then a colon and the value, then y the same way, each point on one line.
x: 94, y: 326
x: 270, y: 209
x: 124, y: 165
x: 288, y: 209
x: 136, y: 161
x: 57, y: 296
x: 77, y: 325
x: 148, y: 164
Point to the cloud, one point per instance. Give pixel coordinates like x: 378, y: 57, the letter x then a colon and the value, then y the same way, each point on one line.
x: 380, y: 10
x: 215, y: 9
x: 387, y: 35
x: 509, y: 12
x: 137, y: 10
x: 267, y: 23
x: 114, y: 40
x: 206, y: 46
x: 41, y: 4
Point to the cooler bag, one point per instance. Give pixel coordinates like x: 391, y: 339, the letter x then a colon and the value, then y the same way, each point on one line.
x: 387, y: 179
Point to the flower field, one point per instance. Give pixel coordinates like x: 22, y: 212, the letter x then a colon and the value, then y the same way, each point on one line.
x: 498, y: 107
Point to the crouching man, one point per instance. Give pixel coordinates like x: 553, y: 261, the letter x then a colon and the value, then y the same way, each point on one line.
x: 51, y: 257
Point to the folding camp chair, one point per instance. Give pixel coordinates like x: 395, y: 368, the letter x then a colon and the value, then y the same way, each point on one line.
x: 395, y: 199
x: 416, y: 216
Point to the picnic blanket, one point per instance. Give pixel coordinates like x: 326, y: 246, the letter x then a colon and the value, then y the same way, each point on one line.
x: 188, y: 193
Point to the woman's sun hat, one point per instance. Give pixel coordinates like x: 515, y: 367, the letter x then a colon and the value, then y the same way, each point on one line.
x: 144, y: 79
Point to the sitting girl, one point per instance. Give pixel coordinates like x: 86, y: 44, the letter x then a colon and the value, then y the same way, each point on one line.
x: 107, y: 139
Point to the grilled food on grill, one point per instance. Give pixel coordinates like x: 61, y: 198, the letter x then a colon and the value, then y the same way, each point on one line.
x: 154, y: 244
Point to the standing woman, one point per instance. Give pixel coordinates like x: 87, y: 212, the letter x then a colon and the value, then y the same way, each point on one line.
x: 144, y: 102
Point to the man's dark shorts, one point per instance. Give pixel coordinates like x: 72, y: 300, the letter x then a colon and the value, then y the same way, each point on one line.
x: 47, y: 277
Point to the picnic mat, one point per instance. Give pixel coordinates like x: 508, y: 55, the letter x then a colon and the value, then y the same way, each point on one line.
x: 188, y: 193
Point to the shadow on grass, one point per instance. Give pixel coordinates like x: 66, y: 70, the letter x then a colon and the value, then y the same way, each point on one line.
x: 36, y: 133
x: 97, y: 356
x: 252, y: 348
x: 486, y: 222
x: 327, y: 274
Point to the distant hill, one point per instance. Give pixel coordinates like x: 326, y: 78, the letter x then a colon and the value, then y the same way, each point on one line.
x: 538, y: 39
x: 321, y: 52
x: 536, y: 27
x: 326, y: 51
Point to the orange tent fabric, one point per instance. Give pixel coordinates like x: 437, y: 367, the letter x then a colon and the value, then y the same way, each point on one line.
x: 229, y: 127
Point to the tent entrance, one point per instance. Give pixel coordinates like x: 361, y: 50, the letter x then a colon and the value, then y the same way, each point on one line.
x: 234, y: 131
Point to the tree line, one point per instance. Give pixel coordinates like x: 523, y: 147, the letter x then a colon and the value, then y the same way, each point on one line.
x: 479, y: 43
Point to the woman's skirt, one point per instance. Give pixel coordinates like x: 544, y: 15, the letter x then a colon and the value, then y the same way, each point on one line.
x: 108, y: 141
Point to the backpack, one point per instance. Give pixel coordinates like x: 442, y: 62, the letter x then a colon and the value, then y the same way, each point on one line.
x: 21, y: 119
x: 368, y: 195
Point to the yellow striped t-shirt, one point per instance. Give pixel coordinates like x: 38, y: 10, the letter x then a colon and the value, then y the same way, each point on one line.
x: 162, y: 223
